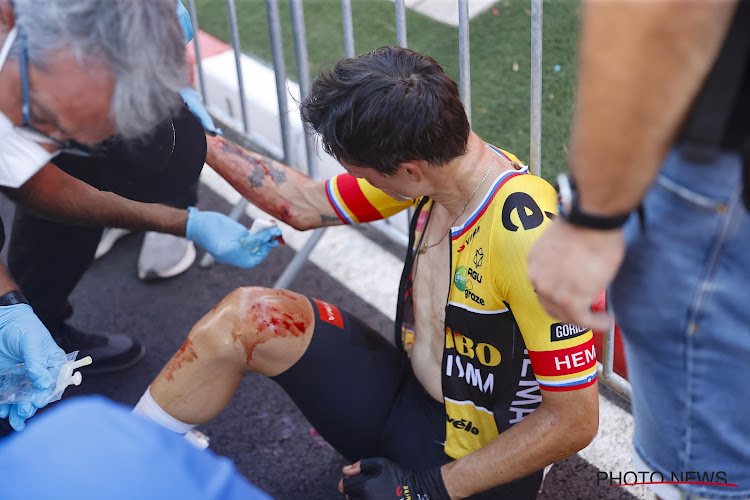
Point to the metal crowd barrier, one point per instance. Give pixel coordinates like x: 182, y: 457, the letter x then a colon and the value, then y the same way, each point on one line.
x: 605, y: 368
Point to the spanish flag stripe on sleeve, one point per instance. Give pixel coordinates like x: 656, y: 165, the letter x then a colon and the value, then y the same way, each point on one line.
x: 355, y: 200
x: 335, y: 201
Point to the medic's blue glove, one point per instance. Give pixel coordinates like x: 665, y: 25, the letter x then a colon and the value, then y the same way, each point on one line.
x: 381, y: 479
x: 24, y: 339
x: 195, y: 104
x: 228, y: 241
x: 187, y: 26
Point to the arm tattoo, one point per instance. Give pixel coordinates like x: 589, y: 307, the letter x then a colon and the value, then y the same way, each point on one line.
x: 325, y: 219
x: 278, y: 175
x: 259, y: 167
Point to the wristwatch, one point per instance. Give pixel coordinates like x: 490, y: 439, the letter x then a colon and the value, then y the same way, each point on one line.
x: 572, y: 213
x: 12, y: 298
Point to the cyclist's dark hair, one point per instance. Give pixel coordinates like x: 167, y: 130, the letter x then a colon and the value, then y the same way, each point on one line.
x: 387, y: 107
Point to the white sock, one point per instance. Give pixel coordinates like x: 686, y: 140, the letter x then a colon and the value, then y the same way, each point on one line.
x: 149, y: 409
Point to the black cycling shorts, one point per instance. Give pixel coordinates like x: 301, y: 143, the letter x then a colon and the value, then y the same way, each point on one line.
x: 360, y: 394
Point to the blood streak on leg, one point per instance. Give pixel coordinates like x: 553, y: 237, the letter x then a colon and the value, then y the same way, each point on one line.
x: 186, y: 354
x: 263, y: 322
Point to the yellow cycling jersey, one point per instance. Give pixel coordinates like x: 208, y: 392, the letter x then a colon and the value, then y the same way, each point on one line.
x: 501, y: 347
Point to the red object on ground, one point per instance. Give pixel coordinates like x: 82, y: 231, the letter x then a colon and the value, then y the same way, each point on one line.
x: 619, y: 366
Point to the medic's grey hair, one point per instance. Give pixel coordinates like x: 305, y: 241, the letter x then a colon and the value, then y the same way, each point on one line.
x: 140, y: 41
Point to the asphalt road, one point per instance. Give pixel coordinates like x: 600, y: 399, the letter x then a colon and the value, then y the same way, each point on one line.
x: 261, y: 430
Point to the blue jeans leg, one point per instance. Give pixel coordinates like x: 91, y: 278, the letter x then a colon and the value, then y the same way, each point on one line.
x: 682, y: 299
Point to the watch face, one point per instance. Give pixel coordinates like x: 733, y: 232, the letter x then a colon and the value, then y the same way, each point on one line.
x: 564, y: 194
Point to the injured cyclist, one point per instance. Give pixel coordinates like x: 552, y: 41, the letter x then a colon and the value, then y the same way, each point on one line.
x: 480, y: 392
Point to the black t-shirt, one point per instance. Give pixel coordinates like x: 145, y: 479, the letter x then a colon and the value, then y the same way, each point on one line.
x: 157, y: 168
x: 738, y: 126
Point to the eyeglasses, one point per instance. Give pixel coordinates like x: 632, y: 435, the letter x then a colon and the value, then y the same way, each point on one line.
x: 69, y: 146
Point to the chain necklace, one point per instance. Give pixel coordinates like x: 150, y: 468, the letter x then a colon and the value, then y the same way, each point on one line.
x: 174, y: 138
x: 424, y: 247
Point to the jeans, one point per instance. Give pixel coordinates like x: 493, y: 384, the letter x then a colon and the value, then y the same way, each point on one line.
x: 682, y: 299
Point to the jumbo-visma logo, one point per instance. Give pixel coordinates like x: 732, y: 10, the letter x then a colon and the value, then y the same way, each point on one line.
x: 459, y: 278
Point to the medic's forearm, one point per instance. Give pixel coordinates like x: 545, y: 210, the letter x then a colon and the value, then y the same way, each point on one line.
x: 275, y: 188
x: 58, y: 196
x: 641, y: 66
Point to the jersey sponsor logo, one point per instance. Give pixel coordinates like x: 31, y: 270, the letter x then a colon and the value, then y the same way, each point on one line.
x: 469, y: 373
x: 575, y: 360
x: 459, y: 278
x: 329, y: 313
x: 471, y: 236
x: 469, y: 291
x: 564, y: 331
x: 486, y: 354
x: 529, y: 396
x: 529, y: 214
x: 457, y: 366
x: 466, y: 285
x: 477, y: 277
x: 464, y: 424
x: 478, y: 257
x: 569, y: 361
x: 402, y: 492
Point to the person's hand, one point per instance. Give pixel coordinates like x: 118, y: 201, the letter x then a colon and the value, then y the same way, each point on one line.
x: 569, y: 266
x: 24, y: 339
x: 194, y: 103
x: 229, y: 241
x: 381, y: 479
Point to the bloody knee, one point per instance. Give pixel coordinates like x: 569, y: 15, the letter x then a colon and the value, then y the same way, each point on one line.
x: 266, y: 327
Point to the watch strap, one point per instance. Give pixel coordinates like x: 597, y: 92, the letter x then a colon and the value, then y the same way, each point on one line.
x: 12, y: 298
x: 572, y: 213
x: 601, y: 222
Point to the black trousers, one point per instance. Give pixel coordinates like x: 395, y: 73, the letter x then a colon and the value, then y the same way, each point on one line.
x: 48, y: 258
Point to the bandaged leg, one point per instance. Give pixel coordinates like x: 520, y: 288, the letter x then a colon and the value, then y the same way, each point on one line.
x: 150, y: 410
x: 252, y: 329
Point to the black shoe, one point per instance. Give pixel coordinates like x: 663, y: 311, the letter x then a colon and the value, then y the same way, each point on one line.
x: 109, y: 352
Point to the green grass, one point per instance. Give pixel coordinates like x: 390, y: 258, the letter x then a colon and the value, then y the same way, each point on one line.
x: 500, y: 42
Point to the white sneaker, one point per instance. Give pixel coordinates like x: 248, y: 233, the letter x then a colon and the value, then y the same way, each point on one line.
x: 110, y: 236
x: 163, y: 256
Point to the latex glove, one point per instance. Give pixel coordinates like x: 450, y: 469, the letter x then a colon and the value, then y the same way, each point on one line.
x: 228, y: 241
x: 194, y: 103
x: 381, y: 479
x: 185, y: 23
x: 24, y: 339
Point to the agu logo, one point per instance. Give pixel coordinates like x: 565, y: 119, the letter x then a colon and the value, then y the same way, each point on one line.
x: 459, y: 278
